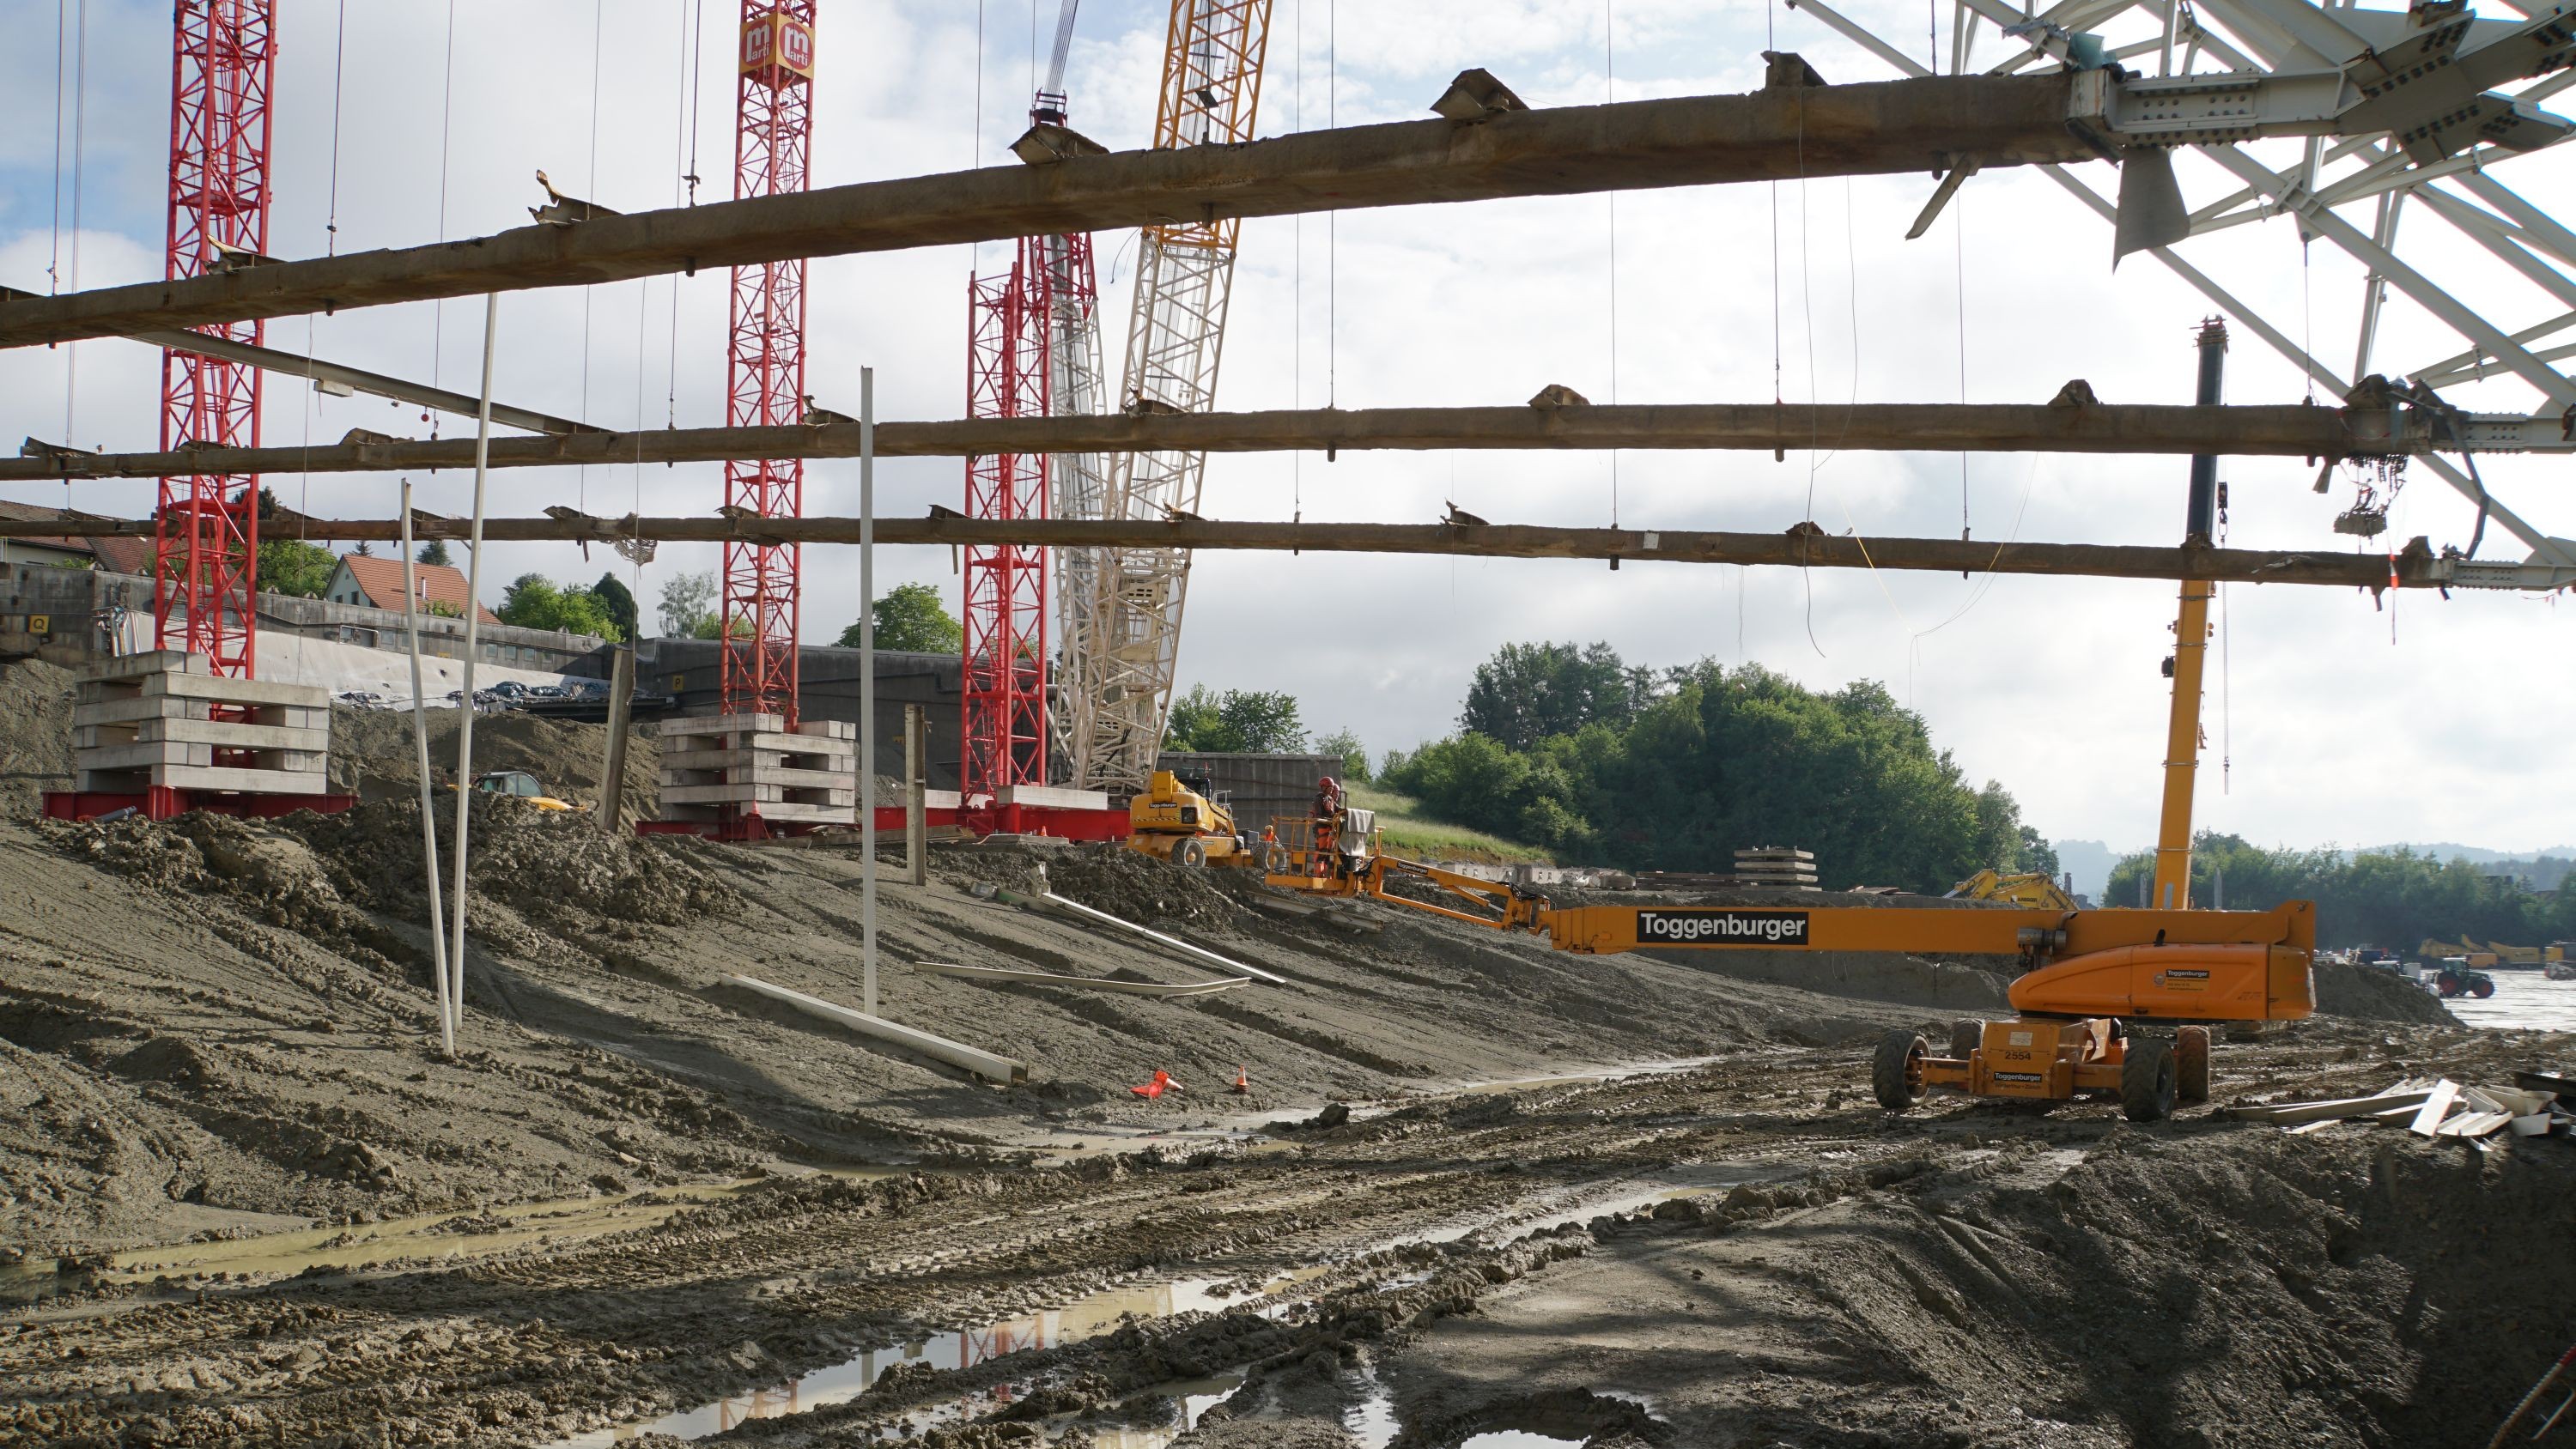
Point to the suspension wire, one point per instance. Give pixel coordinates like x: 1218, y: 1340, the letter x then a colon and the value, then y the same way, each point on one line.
x: 684, y: 174
x: 62, y: 55
x: 590, y: 187
x: 1332, y: 219
x: 975, y: 250
x: 1770, y: 41
x: 438, y: 309
x: 1959, y: 288
x: 1297, y: 271
x: 1610, y: 95
x: 697, y: 95
x: 1807, y: 311
x: 339, y: 58
x: 80, y: 153
x: 2226, y: 688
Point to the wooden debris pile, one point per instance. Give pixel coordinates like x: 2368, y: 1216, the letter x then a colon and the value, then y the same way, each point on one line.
x: 2434, y: 1107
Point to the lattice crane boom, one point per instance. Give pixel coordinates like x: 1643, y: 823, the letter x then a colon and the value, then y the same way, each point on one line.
x: 205, y: 554
x: 1128, y: 637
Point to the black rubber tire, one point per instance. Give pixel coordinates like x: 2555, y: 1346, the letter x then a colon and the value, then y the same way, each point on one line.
x: 2482, y: 988
x: 1897, y: 1072
x: 1274, y: 859
x: 1191, y: 852
x: 2191, y: 1063
x: 1966, y: 1034
x: 2147, y: 1079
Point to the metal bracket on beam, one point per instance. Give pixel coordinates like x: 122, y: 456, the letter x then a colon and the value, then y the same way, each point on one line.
x: 2531, y: 574
x: 64, y: 459
x: 1046, y: 143
x: 230, y: 258
x: 1476, y: 97
x: 562, y: 210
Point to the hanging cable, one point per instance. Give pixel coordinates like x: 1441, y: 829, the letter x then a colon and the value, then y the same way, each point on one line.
x: 697, y: 94
x: 1297, y: 273
x: 446, y: 109
x: 339, y: 56
x: 590, y: 187
x: 684, y: 174
x: 62, y: 41
x: 80, y: 155
x: 1609, y: 96
x: 1959, y: 289
x: 1332, y: 219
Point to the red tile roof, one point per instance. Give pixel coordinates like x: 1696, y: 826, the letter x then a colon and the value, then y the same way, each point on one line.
x: 381, y: 580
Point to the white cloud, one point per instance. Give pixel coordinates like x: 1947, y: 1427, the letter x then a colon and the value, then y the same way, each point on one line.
x: 2336, y: 731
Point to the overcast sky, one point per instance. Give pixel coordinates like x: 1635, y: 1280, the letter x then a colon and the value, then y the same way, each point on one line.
x: 2339, y: 722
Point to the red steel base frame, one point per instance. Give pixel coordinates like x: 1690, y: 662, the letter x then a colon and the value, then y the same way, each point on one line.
x: 161, y: 802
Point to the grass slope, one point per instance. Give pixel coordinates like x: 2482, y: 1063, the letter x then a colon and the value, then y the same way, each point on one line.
x: 1406, y: 831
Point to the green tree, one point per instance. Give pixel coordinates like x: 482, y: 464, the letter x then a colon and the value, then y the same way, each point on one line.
x: 618, y: 601
x: 689, y: 606
x: 435, y: 552
x: 292, y: 566
x: 1530, y: 692
x: 911, y: 619
x: 537, y: 602
x: 1239, y: 721
x: 1346, y: 746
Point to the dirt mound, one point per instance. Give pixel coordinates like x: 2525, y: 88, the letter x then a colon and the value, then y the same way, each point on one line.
x: 551, y: 867
x: 36, y: 748
x: 372, y: 755
x: 1126, y: 883
x: 2367, y: 993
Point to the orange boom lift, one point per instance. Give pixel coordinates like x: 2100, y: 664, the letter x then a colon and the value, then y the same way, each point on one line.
x: 2111, y: 1002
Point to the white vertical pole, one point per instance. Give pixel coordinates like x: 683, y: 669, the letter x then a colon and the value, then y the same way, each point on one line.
x: 420, y: 748
x: 868, y: 688
x: 473, y: 616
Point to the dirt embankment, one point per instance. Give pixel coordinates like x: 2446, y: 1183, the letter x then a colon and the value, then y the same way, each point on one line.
x: 36, y: 744
x: 373, y: 756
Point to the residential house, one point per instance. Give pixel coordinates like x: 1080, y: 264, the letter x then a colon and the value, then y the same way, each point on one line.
x: 377, y: 583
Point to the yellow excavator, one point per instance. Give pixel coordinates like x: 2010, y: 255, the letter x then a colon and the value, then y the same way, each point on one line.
x: 2033, y: 888
x: 2111, y: 1002
x: 1185, y: 820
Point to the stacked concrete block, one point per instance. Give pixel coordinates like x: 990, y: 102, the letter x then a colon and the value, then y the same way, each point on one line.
x: 1773, y: 865
x: 163, y: 720
x: 713, y: 765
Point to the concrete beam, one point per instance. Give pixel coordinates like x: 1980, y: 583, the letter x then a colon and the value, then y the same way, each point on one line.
x: 2416, y: 567
x: 1773, y: 134
x: 2289, y: 431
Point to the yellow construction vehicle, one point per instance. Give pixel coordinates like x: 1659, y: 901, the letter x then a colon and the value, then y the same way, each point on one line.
x: 2031, y: 889
x: 2111, y: 1002
x: 521, y: 785
x: 1183, y: 819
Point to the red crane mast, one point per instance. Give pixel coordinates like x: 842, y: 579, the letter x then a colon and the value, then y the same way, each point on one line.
x: 765, y: 362
x: 205, y: 544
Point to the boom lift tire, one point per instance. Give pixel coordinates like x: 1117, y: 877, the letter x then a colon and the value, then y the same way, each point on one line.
x: 1190, y: 853
x: 1897, y: 1074
x: 2191, y: 1063
x: 1966, y: 1034
x: 2147, y: 1079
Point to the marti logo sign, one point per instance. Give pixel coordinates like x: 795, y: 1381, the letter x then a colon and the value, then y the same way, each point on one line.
x: 1722, y: 928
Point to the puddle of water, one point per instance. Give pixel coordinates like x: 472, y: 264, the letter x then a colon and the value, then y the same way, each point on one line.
x: 2522, y: 999
x: 1518, y: 1439
x: 1084, y: 1318
x: 1586, y: 1074
x: 524, y: 1225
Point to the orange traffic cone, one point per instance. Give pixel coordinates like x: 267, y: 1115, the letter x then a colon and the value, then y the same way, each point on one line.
x: 1162, y: 1083
x: 1242, y: 1083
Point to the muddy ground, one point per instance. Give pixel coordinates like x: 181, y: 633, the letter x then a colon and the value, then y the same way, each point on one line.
x: 248, y: 1202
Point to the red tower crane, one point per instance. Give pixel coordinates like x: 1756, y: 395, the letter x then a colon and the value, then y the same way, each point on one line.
x: 765, y: 362
x: 1008, y: 375
x: 205, y: 544
x: 1032, y: 349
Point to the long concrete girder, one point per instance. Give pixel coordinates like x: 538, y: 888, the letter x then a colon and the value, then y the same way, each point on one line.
x: 2284, y: 431
x: 2415, y: 568
x: 1772, y: 134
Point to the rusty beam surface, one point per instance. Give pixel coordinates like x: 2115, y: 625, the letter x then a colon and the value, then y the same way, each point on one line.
x: 2272, y: 431
x: 1772, y: 134
x: 1798, y: 548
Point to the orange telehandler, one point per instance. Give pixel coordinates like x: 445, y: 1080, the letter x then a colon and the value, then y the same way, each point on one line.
x: 2111, y: 1002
